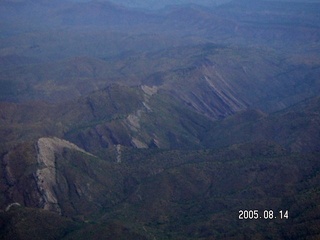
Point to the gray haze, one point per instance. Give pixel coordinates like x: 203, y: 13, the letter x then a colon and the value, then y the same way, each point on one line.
x: 156, y: 4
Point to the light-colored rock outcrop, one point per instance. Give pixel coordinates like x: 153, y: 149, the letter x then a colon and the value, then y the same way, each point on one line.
x: 133, y: 119
x: 149, y: 90
x: 12, y: 205
x: 47, y: 150
x: 138, y: 144
x: 118, y: 148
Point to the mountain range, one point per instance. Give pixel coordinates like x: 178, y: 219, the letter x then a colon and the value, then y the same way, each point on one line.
x: 135, y: 120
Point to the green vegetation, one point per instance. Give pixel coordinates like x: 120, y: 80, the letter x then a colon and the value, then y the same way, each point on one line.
x: 191, y: 181
x: 120, y: 123
x: 179, y: 194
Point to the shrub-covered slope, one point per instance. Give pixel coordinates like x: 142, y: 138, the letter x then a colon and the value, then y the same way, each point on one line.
x: 155, y: 191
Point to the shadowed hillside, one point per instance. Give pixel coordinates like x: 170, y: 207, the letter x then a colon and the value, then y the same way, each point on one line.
x: 155, y: 191
x: 214, y: 80
x: 197, y: 194
x: 159, y: 120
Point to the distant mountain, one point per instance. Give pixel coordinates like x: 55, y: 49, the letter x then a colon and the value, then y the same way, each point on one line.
x: 280, y: 24
x: 214, y: 80
x: 51, y: 14
x: 131, y: 120
x: 293, y: 128
x: 161, y: 4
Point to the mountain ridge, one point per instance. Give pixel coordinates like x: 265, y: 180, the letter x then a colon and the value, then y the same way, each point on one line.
x: 135, y: 123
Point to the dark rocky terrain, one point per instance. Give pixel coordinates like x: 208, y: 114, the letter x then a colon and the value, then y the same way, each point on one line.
x: 162, y: 123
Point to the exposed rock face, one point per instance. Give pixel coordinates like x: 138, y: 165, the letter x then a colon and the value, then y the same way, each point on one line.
x: 209, y: 92
x: 133, y: 119
x: 47, y: 149
x: 118, y: 149
x: 149, y: 90
x: 138, y: 144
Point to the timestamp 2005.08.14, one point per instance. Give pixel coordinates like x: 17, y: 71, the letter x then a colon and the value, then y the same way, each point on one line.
x: 265, y: 214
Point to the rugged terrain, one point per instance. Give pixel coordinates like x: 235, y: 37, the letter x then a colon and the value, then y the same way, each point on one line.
x: 153, y: 122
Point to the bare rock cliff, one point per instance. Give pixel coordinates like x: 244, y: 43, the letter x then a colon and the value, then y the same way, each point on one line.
x: 47, y: 149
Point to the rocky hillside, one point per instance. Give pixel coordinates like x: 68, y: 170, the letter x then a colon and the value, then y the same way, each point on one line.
x: 139, y: 117
x: 127, y: 123
x: 148, y: 179
x: 214, y: 80
x: 167, y: 194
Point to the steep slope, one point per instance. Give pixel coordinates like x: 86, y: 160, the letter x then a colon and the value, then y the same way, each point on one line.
x: 56, y: 175
x: 130, y: 116
x: 46, y: 176
x: 219, y: 81
x: 144, y: 118
x: 181, y: 194
x: 296, y: 128
x: 214, y: 80
x: 120, y: 123
x: 157, y: 120
x: 157, y: 193
x: 259, y: 54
